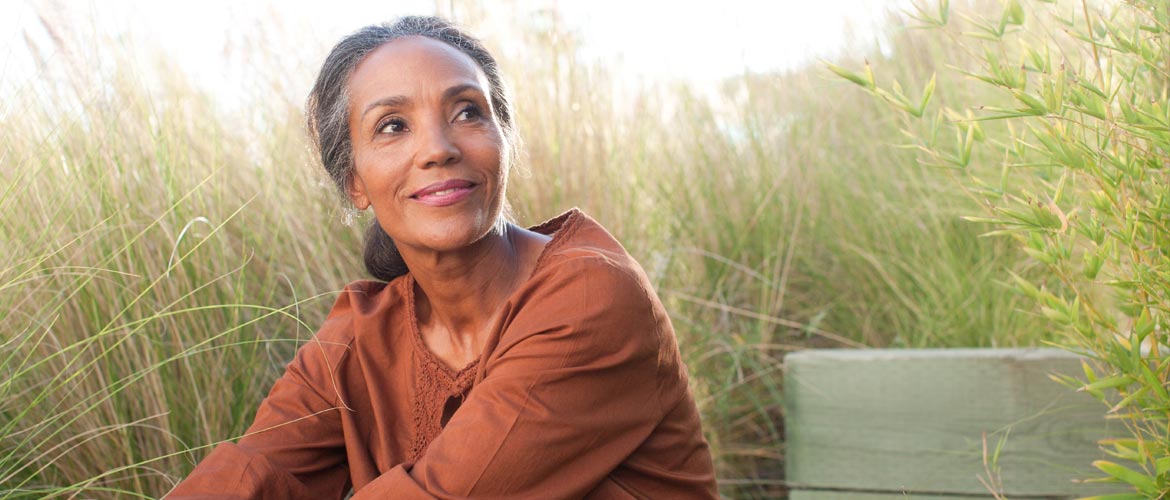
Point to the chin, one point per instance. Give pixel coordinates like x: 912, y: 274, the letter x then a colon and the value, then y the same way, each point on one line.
x: 456, y: 234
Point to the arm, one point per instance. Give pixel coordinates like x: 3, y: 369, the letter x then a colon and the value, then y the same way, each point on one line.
x: 294, y: 448
x: 570, y: 392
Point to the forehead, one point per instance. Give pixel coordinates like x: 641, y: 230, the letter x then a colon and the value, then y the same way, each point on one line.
x: 412, y: 66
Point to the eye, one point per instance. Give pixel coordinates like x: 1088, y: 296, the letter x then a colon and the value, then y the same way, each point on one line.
x: 392, y: 126
x: 469, y: 112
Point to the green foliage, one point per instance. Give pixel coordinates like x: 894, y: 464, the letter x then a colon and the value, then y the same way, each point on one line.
x: 1076, y: 172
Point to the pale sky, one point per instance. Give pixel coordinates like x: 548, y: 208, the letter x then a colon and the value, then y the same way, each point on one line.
x: 694, y: 40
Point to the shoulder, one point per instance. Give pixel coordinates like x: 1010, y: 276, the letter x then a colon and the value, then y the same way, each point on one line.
x: 586, y: 282
x: 363, y: 308
x: 581, y: 248
x: 584, y: 258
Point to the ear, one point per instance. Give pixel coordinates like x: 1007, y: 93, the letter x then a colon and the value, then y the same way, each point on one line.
x: 357, y: 193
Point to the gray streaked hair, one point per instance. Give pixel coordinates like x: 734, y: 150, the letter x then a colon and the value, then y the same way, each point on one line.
x: 327, y: 112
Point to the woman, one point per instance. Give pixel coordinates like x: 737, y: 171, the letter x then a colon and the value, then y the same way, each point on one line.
x: 496, y: 361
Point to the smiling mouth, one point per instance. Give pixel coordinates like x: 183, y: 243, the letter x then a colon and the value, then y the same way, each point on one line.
x: 444, y: 193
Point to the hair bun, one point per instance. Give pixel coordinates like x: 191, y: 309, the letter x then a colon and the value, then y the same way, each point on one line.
x: 381, y: 255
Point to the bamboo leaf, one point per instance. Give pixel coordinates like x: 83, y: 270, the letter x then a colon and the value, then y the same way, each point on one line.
x: 1013, y: 13
x: 849, y: 75
x: 1141, y: 481
x: 927, y: 92
x: 1108, y: 383
x: 1125, y: 402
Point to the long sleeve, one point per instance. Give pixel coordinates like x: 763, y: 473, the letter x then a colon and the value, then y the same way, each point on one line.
x: 295, y: 448
x: 570, y: 391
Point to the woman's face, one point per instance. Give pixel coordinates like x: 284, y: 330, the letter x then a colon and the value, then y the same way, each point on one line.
x: 428, y: 153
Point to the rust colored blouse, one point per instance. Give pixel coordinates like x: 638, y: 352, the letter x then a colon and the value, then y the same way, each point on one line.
x: 580, y: 392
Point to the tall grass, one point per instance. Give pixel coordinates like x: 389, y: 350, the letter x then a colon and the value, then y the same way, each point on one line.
x: 162, y: 256
x: 158, y: 267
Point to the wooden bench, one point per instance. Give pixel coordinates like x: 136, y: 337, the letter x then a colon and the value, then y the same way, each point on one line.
x: 909, y: 423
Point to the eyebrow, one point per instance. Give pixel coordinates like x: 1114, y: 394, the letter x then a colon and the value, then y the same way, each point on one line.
x: 401, y: 100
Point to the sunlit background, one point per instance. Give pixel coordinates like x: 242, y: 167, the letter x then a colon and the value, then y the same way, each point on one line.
x: 695, y: 41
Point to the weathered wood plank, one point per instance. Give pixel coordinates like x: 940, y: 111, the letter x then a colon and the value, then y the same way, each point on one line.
x: 913, y: 420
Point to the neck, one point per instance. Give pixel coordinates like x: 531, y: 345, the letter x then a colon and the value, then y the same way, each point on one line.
x: 459, y: 291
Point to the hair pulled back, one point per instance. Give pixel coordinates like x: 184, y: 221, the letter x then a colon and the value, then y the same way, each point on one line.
x: 327, y: 110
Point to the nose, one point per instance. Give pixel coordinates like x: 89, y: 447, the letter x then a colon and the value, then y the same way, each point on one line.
x: 437, y: 148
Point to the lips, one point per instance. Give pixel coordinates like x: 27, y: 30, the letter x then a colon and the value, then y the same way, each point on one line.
x: 444, y: 193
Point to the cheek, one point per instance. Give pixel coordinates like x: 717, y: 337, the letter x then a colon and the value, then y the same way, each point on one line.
x: 378, y: 168
x: 493, y: 148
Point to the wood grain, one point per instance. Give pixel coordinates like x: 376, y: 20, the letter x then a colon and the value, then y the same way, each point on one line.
x: 906, y: 421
